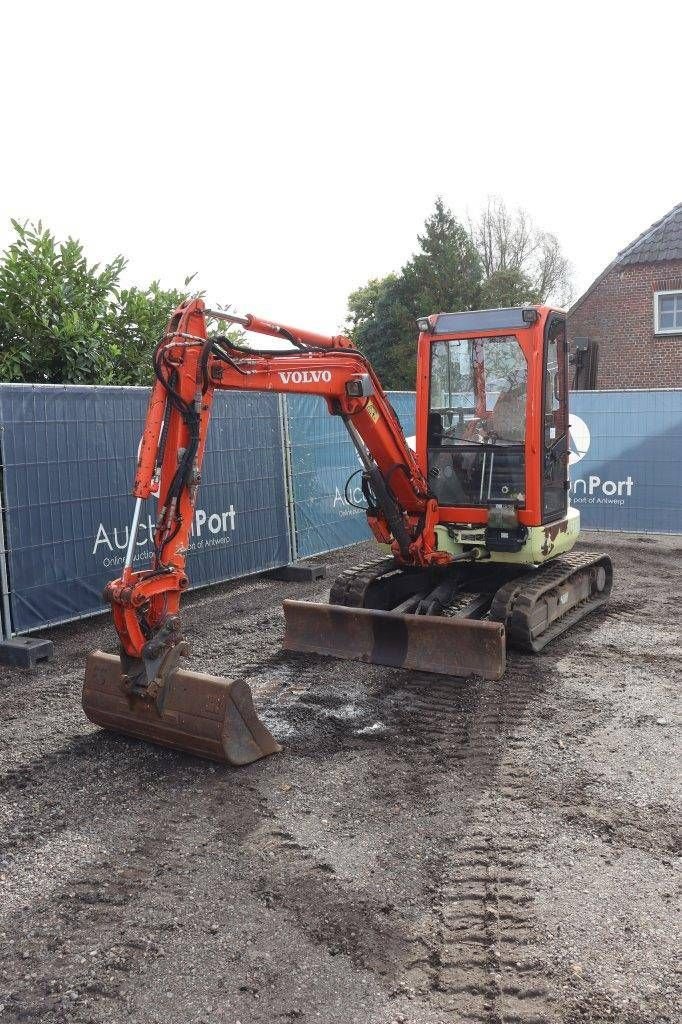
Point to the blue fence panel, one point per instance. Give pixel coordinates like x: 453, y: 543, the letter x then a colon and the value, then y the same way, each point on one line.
x: 624, y: 444
x: 68, y: 466
x: 69, y: 454
x: 625, y: 455
x: 322, y: 459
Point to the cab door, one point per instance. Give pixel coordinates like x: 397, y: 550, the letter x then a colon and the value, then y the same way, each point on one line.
x: 555, y: 421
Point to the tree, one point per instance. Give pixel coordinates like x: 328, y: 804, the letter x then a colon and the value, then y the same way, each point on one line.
x: 444, y: 274
x: 520, y: 262
x: 382, y: 326
x: 65, y: 321
x: 501, y: 260
x: 507, y: 288
x: 140, y: 317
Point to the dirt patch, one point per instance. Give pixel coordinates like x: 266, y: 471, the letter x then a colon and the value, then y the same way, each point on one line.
x: 423, y: 851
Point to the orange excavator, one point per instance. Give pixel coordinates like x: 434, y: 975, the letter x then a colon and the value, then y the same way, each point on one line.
x: 475, y: 527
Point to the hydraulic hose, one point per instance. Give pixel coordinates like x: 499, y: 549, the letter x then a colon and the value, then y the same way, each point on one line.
x: 388, y: 505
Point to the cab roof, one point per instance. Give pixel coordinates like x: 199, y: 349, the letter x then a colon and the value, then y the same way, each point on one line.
x: 485, y: 320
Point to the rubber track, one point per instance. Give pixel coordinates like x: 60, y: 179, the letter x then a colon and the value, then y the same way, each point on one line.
x: 514, y: 603
x: 349, y: 588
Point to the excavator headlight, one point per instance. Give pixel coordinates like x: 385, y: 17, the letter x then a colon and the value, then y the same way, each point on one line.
x: 529, y: 315
x: 423, y: 324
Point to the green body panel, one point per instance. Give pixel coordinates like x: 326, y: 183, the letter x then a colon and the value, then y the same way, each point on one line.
x: 542, y: 543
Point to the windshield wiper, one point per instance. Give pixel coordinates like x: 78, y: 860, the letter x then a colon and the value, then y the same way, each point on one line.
x: 563, y: 437
x: 489, y: 442
x: 551, y: 454
x: 468, y: 440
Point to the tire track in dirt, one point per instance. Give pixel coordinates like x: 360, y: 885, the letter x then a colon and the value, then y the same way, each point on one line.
x: 477, y: 957
x: 484, y: 964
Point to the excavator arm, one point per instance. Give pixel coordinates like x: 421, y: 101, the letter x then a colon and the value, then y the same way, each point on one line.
x: 190, y: 365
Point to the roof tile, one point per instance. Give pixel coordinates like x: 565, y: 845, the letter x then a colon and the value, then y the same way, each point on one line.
x: 662, y: 241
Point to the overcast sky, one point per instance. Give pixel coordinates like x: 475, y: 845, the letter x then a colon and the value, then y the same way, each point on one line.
x: 290, y: 151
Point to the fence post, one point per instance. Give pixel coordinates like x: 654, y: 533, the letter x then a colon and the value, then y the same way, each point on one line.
x: 6, y: 616
x: 288, y: 476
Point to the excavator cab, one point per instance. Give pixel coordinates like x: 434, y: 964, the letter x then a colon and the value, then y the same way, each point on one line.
x: 492, y: 444
x: 492, y: 430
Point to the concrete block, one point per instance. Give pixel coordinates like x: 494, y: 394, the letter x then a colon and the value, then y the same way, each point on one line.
x: 299, y: 572
x: 25, y: 651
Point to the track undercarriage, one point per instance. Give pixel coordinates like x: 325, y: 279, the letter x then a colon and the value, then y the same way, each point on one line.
x: 456, y: 621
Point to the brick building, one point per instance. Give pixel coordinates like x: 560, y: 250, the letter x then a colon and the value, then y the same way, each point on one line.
x: 626, y: 330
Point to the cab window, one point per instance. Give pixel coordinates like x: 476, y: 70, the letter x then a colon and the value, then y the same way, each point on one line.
x: 477, y: 420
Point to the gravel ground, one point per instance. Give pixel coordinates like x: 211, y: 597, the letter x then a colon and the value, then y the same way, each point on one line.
x: 424, y: 851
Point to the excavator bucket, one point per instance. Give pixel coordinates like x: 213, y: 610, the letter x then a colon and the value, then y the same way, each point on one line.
x: 426, y: 643
x: 200, y: 714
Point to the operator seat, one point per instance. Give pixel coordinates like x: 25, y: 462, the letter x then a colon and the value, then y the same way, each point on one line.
x: 508, y: 419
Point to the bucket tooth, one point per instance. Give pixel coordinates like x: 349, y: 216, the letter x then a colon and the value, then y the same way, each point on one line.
x: 425, y: 643
x: 204, y: 715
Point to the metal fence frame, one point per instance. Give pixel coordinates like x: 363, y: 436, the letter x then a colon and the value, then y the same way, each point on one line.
x: 5, y: 612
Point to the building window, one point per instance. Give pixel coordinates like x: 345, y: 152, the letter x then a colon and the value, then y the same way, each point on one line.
x: 668, y: 312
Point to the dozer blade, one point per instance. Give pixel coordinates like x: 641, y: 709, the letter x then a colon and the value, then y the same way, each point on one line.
x: 426, y: 643
x: 203, y: 715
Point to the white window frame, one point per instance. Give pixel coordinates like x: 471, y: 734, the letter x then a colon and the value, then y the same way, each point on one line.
x: 657, y: 328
